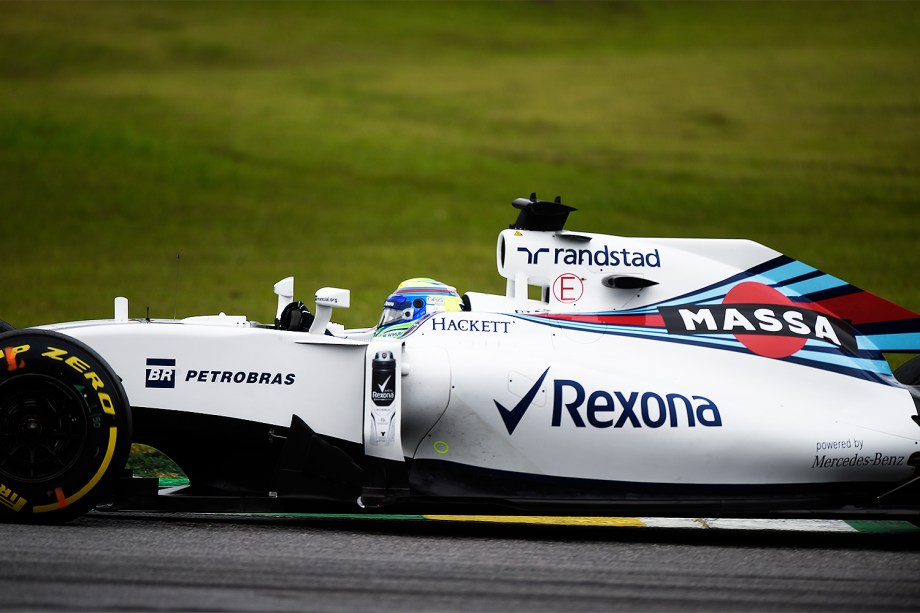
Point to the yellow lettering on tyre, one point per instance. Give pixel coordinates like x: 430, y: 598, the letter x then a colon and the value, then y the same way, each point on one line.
x: 94, y: 378
x: 55, y: 354
x: 106, y: 401
x: 61, y: 503
x: 11, y: 499
x: 77, y: 364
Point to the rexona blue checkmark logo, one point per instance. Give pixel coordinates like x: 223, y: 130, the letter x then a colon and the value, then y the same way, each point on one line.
x: 512, y: 417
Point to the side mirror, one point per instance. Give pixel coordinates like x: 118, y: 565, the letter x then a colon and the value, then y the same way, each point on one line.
x: 284, y: 289
x: 328, y: 298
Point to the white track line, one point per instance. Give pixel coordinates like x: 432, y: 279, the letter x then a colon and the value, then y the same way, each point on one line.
x: 804, y: 525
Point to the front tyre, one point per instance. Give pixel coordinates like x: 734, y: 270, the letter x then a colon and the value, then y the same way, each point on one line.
x: 65, y: 427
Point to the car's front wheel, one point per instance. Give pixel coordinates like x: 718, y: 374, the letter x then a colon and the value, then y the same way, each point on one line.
x: 65, y: 426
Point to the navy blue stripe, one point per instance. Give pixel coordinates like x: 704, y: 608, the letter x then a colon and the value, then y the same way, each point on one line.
x: 768, y: 266
x: 902, y: 326
x: 834, y: 292
x: 809, y: 275
x: 160, y: 362
x: 760, y: 269
x: 844, y: 370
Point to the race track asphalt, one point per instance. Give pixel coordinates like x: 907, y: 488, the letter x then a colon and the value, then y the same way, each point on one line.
x: 206, y: 563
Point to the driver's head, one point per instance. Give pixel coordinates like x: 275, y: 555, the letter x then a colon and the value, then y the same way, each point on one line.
x: 413, y: 300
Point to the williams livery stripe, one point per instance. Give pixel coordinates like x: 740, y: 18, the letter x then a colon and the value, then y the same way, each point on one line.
x: 782, y: 309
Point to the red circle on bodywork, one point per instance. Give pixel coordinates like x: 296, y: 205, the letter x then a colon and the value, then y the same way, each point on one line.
x: 767, y: 345
x: 568, y: 288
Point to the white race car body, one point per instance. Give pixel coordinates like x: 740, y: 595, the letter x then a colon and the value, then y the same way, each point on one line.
x: 649, y: 374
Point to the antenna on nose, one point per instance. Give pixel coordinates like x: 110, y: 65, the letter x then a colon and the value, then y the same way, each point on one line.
x: 176, y: 294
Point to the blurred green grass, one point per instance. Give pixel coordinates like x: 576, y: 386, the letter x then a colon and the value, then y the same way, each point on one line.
x: 358, y: 144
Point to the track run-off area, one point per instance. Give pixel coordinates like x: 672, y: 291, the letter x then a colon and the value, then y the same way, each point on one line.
x: 178, y: 562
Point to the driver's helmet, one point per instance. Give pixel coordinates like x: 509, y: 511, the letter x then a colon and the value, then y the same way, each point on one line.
x: 413, y: 300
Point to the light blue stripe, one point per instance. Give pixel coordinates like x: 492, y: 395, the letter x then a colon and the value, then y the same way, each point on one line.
x: 784, y: 273
x: 817, y: 357
x: 909, y: 341
x: 817, y: 284
x: 772, y: 277
x: 876, y: 366
x: 716, y: 294
x: 633, y: 331
x: 711, y: 297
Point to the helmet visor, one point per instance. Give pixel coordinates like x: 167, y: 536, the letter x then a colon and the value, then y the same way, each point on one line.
x: 396, y: 309
x: 392, y: 315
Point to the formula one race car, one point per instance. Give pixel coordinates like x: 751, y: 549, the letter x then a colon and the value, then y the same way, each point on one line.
x: 646, y: 376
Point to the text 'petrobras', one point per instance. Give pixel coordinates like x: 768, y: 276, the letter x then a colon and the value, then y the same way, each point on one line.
x: 229, y: 376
